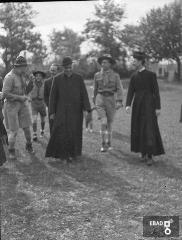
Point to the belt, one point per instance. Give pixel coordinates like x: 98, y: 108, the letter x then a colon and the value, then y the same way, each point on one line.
x: 40, y: 99
x: 106, y: 94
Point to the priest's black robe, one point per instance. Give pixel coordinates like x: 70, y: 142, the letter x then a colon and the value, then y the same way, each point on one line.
x: 68, y: 100
x: 3, y: 141
x: 145, y: 135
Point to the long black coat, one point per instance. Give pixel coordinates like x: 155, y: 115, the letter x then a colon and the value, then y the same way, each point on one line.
x: 3, y: 140
x: 68, y: 100
x: 145, y: 134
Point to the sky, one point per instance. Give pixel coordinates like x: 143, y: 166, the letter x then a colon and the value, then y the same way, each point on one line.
x: 74, y: 14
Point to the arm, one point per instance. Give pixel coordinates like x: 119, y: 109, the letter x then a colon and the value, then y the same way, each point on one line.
x: 7, y: 88
x: 84, y: 97
x: 53, y: 98
x: 130, y: 93
x: 155, y: 90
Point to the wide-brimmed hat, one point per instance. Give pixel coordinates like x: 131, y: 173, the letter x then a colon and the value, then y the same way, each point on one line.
x: 139, y: 55
x: 67, y: 61
x: 39, y: 72
x: 20, y: 62
x: 106, y: 57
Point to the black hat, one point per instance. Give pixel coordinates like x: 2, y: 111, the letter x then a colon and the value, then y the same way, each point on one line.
x: 67, y: 61
x: 106, y: 57
x: 139, y: 55
x: 20, y: 62
x: 40, y: 72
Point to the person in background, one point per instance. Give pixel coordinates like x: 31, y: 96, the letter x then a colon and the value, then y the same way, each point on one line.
x: 68, y: 100
x: 16, y: 109
x: 38, y: 106
x: 144, y: 92
x: 47, y: 87
x: 108, y: 96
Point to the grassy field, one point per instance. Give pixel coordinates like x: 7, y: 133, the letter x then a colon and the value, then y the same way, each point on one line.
x: 103, y: 197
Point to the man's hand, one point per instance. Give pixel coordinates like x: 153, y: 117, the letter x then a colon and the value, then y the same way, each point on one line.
x: 128, y: 109
x: 52, y: 116
x: 119, y: 105
x: 157, y: 112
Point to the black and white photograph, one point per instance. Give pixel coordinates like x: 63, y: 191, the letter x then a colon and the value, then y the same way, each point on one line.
x: 91, y: 120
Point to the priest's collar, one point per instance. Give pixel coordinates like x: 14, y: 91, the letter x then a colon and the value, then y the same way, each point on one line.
x: 141, y: 69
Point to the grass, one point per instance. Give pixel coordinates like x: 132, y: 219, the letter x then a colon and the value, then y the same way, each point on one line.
x: 103, y: 197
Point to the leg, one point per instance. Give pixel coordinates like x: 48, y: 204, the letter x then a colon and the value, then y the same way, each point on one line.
x: 11, y: 141
x: 109, y: 134
x: 35, y: 116
x: 27, y: 134
x: 42, y: 125
x: 103, y: 133
x: 110, y: 111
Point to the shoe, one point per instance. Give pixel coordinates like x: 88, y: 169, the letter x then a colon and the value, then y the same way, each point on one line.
x: 35, y: 137
x: 103, y: 148
x: 143, y: 158
x: 150, y: 161
x: 109, y: 147
x: 12, y: 155
x: 29, y: 148
x: 42, y: 133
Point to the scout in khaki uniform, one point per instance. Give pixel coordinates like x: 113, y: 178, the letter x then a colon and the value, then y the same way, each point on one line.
x: 16, y: 110
x: 108, y: 96
x: 37, y: 102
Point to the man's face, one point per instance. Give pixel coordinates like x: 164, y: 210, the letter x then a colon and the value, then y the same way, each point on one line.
x: 136, y: 63
x: 106, y: 65
x: 68, y: 70
x: 38, y: 77
x: 53, y: 70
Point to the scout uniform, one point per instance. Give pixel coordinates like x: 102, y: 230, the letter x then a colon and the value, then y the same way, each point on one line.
x: 16, y: 110
x: 37, y: 103
x: 108, y: 90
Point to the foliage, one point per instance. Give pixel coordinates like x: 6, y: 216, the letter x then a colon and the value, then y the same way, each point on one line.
x: 65, y: 43
x: 18, y: 33
x: 104, y: 28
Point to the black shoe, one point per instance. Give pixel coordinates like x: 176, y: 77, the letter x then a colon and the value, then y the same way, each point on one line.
x: 35, y: 137
x: 109, y: 147
x: 29, y: 148
x: 104, y: 147
x: 150, y: 161
x: 12, y: 154
x: 143, y: 158
x: 42, y: 133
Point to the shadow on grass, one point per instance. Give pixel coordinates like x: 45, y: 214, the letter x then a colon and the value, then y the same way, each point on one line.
x: 88, y: 171
x: 163, y: 168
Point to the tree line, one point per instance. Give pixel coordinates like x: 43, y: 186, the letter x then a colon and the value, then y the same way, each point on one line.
x: 159, y: 33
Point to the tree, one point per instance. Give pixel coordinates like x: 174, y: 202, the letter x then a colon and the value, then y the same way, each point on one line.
x: 104, y: 28
x: 65, y: 43
x: 132, y: 36
x: 17, y: 33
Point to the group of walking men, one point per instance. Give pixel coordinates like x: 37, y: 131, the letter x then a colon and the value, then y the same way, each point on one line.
x: 67, y: 99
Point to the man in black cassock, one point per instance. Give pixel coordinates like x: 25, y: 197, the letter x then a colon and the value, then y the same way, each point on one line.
x: 68, y: 100
x: 144, y: 92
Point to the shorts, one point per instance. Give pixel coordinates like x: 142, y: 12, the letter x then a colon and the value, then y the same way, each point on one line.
x: 17, y: 115
x: 106, y: 107
x: 38, y: 107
